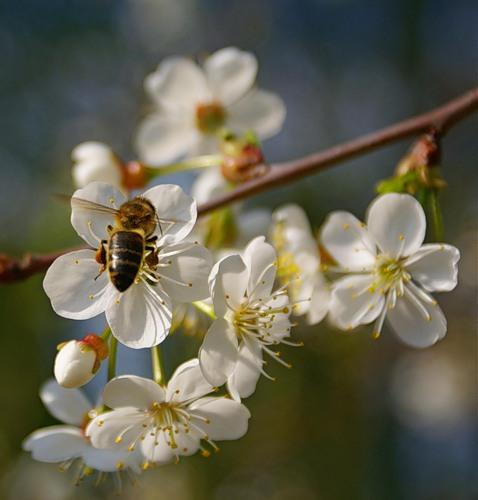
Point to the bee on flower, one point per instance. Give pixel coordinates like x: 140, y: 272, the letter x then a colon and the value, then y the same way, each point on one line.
x: 389, y: 271
x: 138, y: 266
x: 67, y: 443
x: 166, y: 422
x: 251, y: 319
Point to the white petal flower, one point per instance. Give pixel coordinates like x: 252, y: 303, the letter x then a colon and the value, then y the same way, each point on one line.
x: 81, y: 287
x: 396, y: 270
x: 251, y: 318
x: 194, y: 103
x: 299, y: 265
x: 95, y: 161
x: 64, y: 444
x: 166, y: 422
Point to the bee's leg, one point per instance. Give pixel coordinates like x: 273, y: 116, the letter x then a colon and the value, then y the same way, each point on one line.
x: 100, y: 257
x: 150, y: 243
x: 151, y: 258
x: 109, y: 228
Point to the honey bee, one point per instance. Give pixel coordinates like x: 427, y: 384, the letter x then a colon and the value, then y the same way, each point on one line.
x: 130, y: 243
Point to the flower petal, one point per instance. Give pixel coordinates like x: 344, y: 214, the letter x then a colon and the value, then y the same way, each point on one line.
x: 67, y: 405
x: 188, y: 382
x: 111, y: 460
x: 261, y: 111
x: 162, y: 138
x: 352, y: 302
x: 228, y: 419
x: 176, y: 211
x: 208, y: 184
x: 293, y: 231
x: 397, y: 223
x: 185, y: 279
x: 133, y: 391
x: 435, y: 267
x: 260, y: 259
x: 156, y: 450
x: 91, y: 150
x: 348, y: 242
x: 411, y: 326
x: 228, y: 283
x: 74, y: 287
x: 55, y: 444
x: 117, y: 429
x: 178, y: 85
x: 218, y: 353
x: 89, y: 223
x: 243, y: 380
x: 141, y: 317
x: 319, y: 300
x: 231, y: 73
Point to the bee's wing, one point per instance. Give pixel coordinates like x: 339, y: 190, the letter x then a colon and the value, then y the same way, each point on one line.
x: 91, y: 205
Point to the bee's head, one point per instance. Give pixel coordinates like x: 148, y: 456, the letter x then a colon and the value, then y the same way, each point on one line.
x: 138, y: 213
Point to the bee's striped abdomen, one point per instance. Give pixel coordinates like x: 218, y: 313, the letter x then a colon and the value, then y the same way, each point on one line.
x: 125, y: 253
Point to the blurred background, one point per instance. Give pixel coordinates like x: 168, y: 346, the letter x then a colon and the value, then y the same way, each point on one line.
x: 355, y: 418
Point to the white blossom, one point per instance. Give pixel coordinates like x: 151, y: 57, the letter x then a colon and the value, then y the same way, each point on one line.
x: 193, y: 104
x: 166, y: 422
x: 65, y: 444
x: 140, y: 316
x: 390, y: 270
x: 299, y: 263
x: 95, y: 161
x: 250, y: 319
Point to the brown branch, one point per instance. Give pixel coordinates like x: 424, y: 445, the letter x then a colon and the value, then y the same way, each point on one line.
x: 439, y: 119
x: 16, y: 269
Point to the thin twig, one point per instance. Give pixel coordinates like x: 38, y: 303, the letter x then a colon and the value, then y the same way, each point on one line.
x: 440, y: 120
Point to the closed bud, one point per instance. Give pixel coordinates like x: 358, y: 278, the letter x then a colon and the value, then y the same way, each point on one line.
x: 77, y: 361
x: 96, y: 162
x: 242, y: 159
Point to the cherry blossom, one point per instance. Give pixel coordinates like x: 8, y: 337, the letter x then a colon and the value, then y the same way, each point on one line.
x: 67, y: 443
x: 165, y: 422
x: 250, y: 319
x: 140, y: 317
x: 194, y: 104
x: 390, y: 272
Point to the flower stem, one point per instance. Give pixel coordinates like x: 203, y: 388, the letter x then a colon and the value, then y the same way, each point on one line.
x: 189, y: 164
x: 436, y: 215
x: 157, y: 363
x: 106, y: 333
x: 205, y: 308
x: 112, y: 358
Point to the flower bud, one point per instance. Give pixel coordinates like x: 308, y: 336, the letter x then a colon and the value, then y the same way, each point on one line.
x: 95, y: 161
x: 134, y: 175
x: 242, y: 159
x: 77, y: 361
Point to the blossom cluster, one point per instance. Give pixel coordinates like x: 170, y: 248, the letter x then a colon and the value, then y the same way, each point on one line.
x: 235, y: 279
